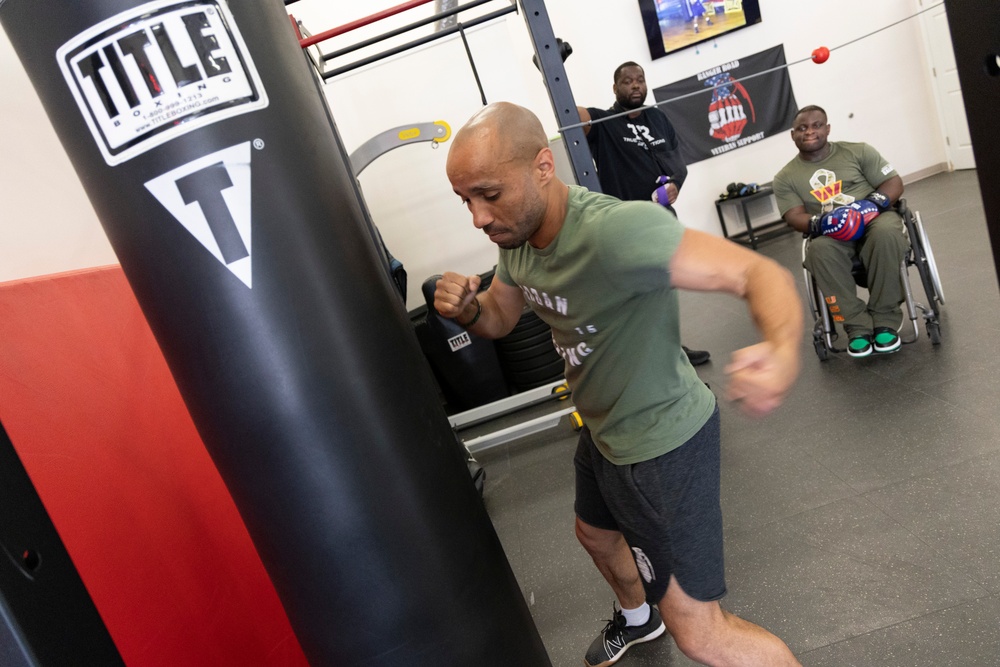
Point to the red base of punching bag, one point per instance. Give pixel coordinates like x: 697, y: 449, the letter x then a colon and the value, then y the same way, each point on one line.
x: 97, y: 420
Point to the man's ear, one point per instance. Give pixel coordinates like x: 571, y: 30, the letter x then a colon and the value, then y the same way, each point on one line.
x: 545, y: 164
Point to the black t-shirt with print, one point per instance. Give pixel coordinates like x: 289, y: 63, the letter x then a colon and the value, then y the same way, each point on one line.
x: 630, y: 153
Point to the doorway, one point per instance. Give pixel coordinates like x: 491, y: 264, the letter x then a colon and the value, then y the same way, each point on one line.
x: 947, y: 90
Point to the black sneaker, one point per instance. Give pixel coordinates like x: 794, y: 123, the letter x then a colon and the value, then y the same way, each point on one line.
x: 696, y: 357
x: 886, y: 340
x: 860, y: 346
x: 616, y: 638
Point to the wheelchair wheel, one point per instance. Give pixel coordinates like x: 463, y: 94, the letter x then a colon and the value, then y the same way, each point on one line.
x: 934, y: 331
x: 928, y: 254
x: 820, y: 340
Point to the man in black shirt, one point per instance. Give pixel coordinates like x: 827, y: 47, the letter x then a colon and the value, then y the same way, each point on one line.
x: 637, y: 155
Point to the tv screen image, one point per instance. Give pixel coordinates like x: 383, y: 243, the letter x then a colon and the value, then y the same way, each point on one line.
x: 672, y: 25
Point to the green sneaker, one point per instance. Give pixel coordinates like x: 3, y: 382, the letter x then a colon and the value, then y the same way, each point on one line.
x: 860, y: 346
x: 886, y: 340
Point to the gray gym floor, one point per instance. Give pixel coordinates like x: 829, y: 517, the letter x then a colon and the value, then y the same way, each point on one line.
x: 861, y: 519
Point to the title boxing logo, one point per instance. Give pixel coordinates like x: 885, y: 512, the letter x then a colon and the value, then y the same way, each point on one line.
x: 211, y: 198
x: 158, y: 71
x: 462, y: 340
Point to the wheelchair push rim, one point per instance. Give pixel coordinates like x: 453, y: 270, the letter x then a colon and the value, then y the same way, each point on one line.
x: 929, y: 256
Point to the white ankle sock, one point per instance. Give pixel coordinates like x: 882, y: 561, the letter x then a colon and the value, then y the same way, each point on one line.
x: 637, y: 616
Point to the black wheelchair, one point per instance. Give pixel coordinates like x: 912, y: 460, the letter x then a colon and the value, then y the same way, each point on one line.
x: 919, y: 255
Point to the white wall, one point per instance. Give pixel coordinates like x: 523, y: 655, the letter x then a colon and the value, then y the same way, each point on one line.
x: 875, y: 90
x: 46, y: 221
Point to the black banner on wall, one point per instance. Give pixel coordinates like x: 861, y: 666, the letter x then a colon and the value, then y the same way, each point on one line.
x: 735, y: 108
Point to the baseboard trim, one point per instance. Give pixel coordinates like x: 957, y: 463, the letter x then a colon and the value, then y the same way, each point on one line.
x: 938, y: 168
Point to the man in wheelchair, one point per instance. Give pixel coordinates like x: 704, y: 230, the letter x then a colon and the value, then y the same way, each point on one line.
x: 841, y: 195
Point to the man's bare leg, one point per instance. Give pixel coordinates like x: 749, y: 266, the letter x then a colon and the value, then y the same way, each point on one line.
x: 708, y: 634
x: 612, y: 556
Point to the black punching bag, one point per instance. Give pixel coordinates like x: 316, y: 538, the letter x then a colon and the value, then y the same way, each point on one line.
x: 976, y: 41
x: 201, y: 138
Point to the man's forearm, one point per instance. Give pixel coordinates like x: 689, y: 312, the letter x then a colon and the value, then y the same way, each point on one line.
x: 891, y: 188
x: 774, y: 305
x: 798, y: 221
x: 484, y: 318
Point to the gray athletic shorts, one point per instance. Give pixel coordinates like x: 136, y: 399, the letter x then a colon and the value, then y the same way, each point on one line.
x: 667, y: 509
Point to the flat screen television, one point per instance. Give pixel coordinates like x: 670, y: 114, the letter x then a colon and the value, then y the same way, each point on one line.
x: 672, y: 25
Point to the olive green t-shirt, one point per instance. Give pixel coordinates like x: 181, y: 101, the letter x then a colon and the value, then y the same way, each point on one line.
x: 850, y: 172
x: 603, y: 285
